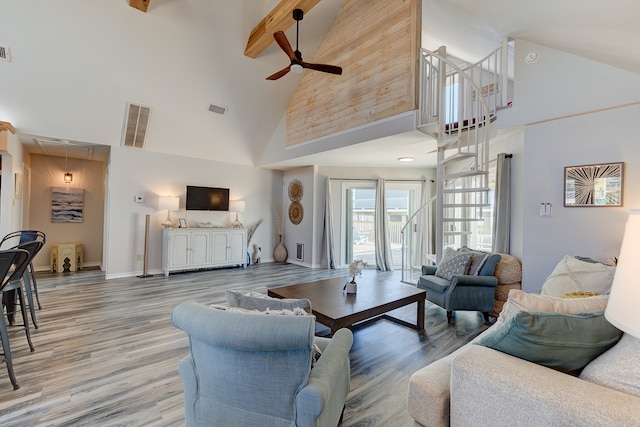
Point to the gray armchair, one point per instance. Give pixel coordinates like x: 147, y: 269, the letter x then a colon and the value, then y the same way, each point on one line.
x: 462, y: 292
x: 253, y: 369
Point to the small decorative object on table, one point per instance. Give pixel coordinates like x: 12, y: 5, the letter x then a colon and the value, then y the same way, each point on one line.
x: 355, y: 269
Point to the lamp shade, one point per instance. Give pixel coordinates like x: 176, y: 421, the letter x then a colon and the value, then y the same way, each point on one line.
x: 236, y: 206
x: 624, y: 301
x: 171, y: 203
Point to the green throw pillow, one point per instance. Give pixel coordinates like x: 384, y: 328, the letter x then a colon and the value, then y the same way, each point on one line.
x: 565, y: 342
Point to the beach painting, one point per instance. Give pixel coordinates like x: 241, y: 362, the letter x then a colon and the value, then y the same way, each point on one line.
x: 67, y: 204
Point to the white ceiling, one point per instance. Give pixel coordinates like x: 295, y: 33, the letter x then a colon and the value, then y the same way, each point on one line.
x: 75, y: 65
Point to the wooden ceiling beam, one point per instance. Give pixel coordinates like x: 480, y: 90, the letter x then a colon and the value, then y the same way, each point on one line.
x: 140, y: 4
x: 7, y: 126
x: 279, y: 19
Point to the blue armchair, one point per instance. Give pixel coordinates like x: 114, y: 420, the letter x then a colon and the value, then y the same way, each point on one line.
x: 462, y: 292
x: 253, y: 369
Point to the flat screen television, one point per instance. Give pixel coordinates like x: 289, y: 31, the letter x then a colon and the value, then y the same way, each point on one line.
x: 207, y: 198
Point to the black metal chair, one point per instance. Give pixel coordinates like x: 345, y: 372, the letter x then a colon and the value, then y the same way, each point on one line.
x: 16, y: 259
x: 24, y: 236
x: 33, y: 248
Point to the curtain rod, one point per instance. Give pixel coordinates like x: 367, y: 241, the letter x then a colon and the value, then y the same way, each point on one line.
x: 375, y: 179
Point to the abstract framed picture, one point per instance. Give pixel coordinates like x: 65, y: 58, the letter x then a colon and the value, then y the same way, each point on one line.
x: 597, y: 185
x: 67, y: 204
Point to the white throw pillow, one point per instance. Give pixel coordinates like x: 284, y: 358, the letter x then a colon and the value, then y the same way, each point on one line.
x: 521, y: 301
x: 617, y: 368
x: 573, y: 275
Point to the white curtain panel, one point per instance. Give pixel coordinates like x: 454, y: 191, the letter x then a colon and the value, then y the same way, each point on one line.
x: 502, y: 205
x: 384, y: 258
x: 328, y: 256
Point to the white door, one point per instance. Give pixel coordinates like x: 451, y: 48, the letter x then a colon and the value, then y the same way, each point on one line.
x: 199, y: 248
x: 237, y: 252
x: 219, y: 247
x: 178, y: 250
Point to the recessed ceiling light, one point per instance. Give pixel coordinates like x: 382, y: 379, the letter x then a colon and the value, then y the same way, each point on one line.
x: 406, y: 159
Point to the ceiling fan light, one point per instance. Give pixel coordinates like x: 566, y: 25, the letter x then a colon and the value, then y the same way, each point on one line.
x: 296, y: 68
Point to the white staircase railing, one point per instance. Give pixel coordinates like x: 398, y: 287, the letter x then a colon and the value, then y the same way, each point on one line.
x: 458, y: 102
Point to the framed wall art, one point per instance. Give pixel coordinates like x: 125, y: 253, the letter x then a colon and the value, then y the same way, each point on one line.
x: 593, y: 185
x: 67, y: 204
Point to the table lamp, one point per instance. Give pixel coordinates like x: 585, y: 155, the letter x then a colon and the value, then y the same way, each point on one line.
x: 236, y: 206
x: 624, y: 300
x: 170, y: 203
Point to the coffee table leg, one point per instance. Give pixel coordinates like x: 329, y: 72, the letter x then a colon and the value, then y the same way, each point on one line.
x: 420, y: 319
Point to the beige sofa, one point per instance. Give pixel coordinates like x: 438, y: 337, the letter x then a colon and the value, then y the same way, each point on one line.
x: 479, y: 386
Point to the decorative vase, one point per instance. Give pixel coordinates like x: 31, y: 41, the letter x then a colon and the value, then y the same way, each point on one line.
x: 280, y: 252
x: 352, y: 287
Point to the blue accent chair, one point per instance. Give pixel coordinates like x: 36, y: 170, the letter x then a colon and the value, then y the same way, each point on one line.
x: 252, y: 369
x: 462, y: 292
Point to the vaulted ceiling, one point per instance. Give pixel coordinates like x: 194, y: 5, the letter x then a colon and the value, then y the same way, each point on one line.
x: 75, y: 64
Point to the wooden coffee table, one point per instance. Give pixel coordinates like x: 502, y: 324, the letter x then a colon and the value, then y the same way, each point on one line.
x: 336, y: 309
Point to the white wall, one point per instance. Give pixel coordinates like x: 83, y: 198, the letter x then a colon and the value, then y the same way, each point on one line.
x: 10, y: 206
x: 552, y: 97
x: 140, y: 173
x: 588, y: 231
x: 304, y: 232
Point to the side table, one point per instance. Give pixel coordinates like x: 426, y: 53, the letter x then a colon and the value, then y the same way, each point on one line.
x: 66, y: 257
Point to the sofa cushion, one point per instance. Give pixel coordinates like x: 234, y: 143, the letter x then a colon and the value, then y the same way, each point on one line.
x: 617, y: 368
x: 251, y: 300
x: 521, y: 301
x: 565, y: 342
x: 574, y: 275
x: 453, y: 263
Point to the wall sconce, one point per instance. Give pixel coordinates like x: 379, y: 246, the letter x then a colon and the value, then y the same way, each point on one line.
x: 236, y: 206
x: 170, y: 203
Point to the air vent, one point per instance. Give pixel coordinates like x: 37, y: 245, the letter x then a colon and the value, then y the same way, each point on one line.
x: 5, y: 53
x: 217, y: 109
x: 135, y: 129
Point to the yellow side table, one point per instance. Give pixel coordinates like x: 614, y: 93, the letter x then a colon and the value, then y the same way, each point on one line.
x: 66, y: 257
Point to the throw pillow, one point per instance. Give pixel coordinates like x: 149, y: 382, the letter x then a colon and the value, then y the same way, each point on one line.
x: 617, y: 368
x: 256, y: 301
x: 453, y: 263
x: 477, y: 260
x: 565, y: 342
x: 521, y: 301
x: 573, y: 275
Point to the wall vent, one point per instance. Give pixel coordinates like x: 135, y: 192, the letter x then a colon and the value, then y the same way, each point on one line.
x: 135, y: 128
x: 219, y: 109
x: 299, y: 251
x: 5, y: 53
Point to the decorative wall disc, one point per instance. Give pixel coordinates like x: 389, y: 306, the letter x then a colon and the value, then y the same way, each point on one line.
x: 295, y: 213
x: 295, y: 190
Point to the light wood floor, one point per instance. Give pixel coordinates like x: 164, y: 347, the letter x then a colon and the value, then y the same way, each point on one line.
x: 107, y: 354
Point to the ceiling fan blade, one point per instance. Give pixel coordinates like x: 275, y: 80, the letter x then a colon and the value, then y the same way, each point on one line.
x: 282, y: 41
x: 277, y: 75
x: 333, y: 69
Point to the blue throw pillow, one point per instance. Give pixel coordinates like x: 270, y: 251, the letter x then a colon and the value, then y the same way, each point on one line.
x: 565, y: 342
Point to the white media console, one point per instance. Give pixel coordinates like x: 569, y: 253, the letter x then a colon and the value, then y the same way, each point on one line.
x: 199, y: 248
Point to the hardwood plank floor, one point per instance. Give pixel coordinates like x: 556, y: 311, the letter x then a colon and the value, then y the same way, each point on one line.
x: 107, y: 354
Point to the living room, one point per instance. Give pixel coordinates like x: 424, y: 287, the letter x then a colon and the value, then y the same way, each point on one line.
x: 568, y: 110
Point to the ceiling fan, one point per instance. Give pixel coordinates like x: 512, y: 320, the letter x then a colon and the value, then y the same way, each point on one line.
x: 297, y: 64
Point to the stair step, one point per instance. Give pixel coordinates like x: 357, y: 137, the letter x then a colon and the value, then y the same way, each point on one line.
x: 464, y: 174
x: 466, y: 190
x: 457, y: 156
x: 447, y: 141
x: 462, y: 219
